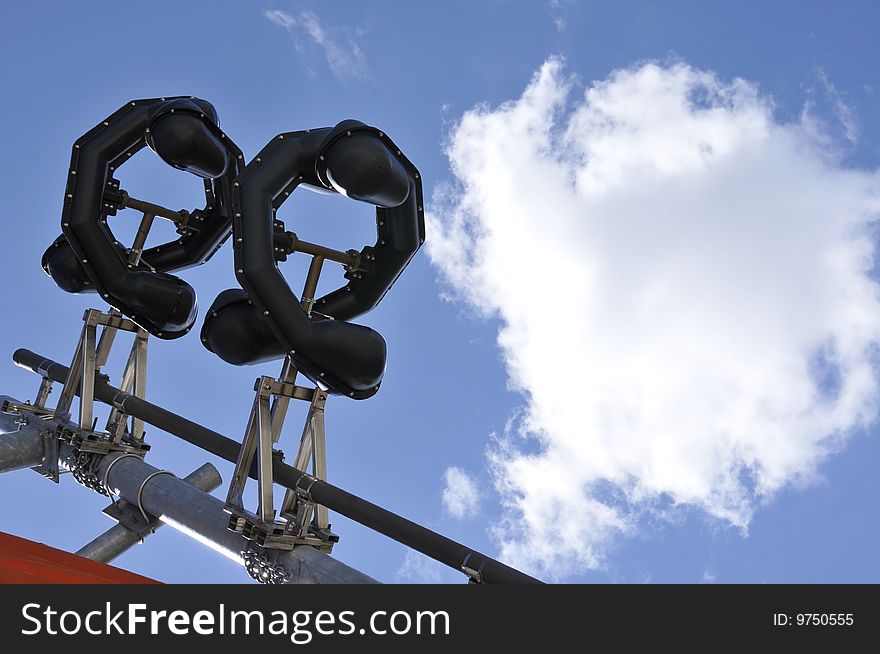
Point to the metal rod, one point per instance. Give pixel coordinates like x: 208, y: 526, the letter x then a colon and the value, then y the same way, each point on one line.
x: 71, y: 380
x: 139, y: 350
x: 280, y: 403
x: 116, y: 422
x: 306, y: 441
x: 89, y: 354
x: 422, y: 539
x: 311, y: 285
x: 319, y: 458
x: 140, y: 239
x: 154, y: 209
x: 43, y: 392
x: 301, y: 462
x: 119, y: 539
x: 108, y: 335
x: 234, y: 496
x: 266, y: 509
x: 346, y: 259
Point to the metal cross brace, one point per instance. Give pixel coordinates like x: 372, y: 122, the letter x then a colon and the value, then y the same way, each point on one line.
x: 263, y: 431
x: 88, y: 359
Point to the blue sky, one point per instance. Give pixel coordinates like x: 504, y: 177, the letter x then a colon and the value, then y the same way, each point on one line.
x: 414, y: 70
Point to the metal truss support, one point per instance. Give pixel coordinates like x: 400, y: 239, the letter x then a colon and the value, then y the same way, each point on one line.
x: 89, y: 357
x: 263, y: 431
x: 434, y: 545
x: 312, y: 448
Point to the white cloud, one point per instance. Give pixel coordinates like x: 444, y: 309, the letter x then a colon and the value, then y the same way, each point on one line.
x: 461, y: 495
x: 685, y: 296
x: 418, y: 569
x: 556, y: 8
x: 280, y: 18
x: 343, y: 54
x: 844, y: 113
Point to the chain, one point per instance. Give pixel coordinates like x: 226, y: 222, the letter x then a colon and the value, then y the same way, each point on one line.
x: 85, y: 472
x: 261, y: 569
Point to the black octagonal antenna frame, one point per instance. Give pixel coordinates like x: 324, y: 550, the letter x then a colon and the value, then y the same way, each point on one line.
x: 161, y: 303
x: 344, y: 357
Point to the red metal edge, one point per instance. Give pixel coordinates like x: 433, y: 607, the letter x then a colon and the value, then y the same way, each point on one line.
x: 24, y: 561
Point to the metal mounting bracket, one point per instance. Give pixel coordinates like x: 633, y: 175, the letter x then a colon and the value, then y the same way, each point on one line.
x: 296, y: 526
x: 89, y: 357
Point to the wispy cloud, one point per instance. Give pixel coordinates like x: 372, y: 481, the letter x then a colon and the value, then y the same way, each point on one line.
x: 842, y: 110
x: 344, y: 56
x: 461, y: 495
x: 684, y: 289
x: 827, y: 115
x: 556, y: 10
x: 418, y: 569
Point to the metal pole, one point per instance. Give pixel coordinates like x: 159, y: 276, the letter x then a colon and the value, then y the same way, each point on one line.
x: 311, y: 285
x: 21, y: 449
x: 120, y: 538
x: 155, y: 209
x: 202, y: 517
x: 186, y: 508
x: 140, y: 239
x: 8, y: 422
x: 345, y: 258
x: 430, y: 543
